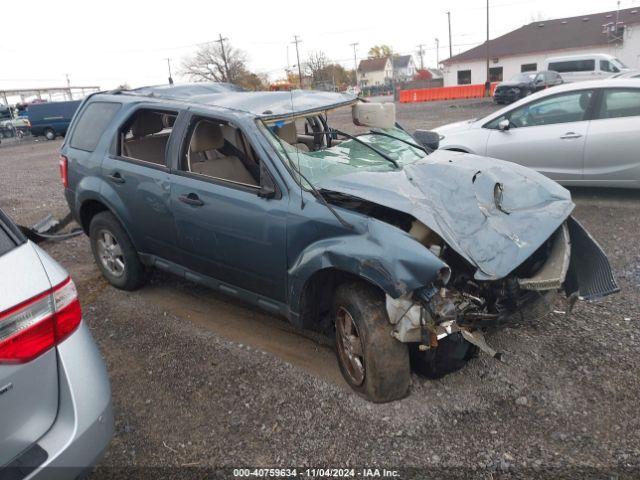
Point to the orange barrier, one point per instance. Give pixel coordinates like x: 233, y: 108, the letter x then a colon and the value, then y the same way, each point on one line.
x: 444, y: 93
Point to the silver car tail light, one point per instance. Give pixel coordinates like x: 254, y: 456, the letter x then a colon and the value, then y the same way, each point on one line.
x: 34, y: 326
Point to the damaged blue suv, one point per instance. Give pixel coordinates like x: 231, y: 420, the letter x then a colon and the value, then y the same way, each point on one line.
x: 321, y: 208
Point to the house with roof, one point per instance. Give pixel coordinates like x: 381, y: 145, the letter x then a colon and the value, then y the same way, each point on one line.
x: 615, y: 33
x: 374, y: 72
x: 404, y: 68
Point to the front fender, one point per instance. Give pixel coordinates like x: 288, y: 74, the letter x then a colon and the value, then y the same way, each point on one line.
x: 381, y: 254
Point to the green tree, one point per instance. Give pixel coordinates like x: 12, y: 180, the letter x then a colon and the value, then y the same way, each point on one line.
x: 380, y: 51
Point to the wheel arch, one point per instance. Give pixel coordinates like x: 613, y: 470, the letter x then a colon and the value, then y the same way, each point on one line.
x: 385, y: 257
x: 317, y: 294
x: 91, y: 206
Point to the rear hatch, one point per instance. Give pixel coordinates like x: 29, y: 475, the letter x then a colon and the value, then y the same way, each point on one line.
x: 28, y: 388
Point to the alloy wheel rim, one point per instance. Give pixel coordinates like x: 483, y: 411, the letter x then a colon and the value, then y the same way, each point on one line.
x: 350, y: 348
x: 110, y: 253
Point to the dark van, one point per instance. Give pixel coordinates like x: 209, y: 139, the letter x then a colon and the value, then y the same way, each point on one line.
x: 51, y: 118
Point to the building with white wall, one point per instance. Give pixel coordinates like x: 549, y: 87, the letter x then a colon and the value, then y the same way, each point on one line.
x: 616, y: 33
x: 374, y: 72
x: 404, y: 68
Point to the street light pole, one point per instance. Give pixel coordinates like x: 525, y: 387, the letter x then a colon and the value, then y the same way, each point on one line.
x: 487, y: 85
x: 450, y: 44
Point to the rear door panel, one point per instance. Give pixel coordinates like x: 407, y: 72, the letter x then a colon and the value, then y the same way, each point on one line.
x: 613, y: 142
x: 28, y: 392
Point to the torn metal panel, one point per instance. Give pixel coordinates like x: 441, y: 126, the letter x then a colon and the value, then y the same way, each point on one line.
x: 589, y: 270
x: 454, y: 195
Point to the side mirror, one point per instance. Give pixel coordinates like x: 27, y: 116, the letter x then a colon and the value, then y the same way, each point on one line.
x: 504, y: 125
x: 374, y: 115
x: 267, y: 187
x: 427, y: 138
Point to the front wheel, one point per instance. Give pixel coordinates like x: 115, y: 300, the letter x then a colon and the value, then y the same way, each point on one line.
x: 373, y: 363
x: 114, y: 253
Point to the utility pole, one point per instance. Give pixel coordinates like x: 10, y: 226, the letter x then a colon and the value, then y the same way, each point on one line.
x: 297, y: 41
x: 169, y: 66
x: 450, y: 44
x: 68, y: 86
x: 421, y: 53
x: 437, y: 53
x: 487, y: 85
x: 355, y: 63
x: 224, y: 57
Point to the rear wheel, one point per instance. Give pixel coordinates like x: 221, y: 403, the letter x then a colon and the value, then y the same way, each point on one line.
x: 372, y: 362
x: 49, y: 134
x: 114, y: 253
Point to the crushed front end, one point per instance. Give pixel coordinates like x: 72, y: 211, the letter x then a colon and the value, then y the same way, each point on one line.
x: 570, y: 263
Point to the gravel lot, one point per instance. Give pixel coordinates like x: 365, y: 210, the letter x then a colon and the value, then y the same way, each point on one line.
x: 203, y: 381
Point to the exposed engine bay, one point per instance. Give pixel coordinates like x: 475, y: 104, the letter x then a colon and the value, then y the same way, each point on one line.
x: 458, y: 303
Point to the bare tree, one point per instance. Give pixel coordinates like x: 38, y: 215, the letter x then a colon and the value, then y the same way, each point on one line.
x: 208, y: 64
x: 317, y: 62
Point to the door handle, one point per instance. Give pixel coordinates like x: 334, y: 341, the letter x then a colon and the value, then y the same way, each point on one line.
x: 191, y: 199
x: 570, y: 135
x: 116, y: 177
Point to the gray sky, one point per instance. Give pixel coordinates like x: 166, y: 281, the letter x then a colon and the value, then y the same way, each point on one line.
x: 111, y: 42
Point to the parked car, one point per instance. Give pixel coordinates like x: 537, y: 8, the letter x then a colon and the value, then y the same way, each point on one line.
x: 523, y: 84
x: 15, y: 127
x: 51, y: 119
x: 578, y: 68
x: 585, y: 134
x: 55, y: 399
x: 397, y: 252
x: 627, y: 74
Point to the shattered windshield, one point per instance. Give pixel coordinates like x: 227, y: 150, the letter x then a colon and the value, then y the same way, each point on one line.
x: 328, y: 144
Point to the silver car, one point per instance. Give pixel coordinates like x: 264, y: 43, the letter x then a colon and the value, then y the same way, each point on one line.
x: 55, y: 399
x: 579, y: 134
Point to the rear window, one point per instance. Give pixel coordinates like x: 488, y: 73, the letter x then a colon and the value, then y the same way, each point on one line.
x: 91, y: 124
x: 586, y: 65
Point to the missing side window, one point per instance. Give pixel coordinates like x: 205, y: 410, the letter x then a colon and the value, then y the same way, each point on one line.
x: 219, y: 150
x: 145, y: 135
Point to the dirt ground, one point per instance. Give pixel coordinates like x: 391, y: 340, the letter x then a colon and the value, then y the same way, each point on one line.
x: 200, y: 380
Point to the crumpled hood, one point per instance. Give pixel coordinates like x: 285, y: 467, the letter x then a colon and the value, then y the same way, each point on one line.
x: 493, y: 213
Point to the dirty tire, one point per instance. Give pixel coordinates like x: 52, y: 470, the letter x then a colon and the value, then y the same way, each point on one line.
x: 452, y: 354
x: 49, y: 134
x: 133, y: 274
x: 387, y: 372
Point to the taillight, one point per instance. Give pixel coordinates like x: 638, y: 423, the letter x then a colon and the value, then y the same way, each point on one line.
x: 32, y: 327
x: 64, y: 170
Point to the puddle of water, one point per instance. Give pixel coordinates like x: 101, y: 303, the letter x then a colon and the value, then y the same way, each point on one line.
x: 244, y: 325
